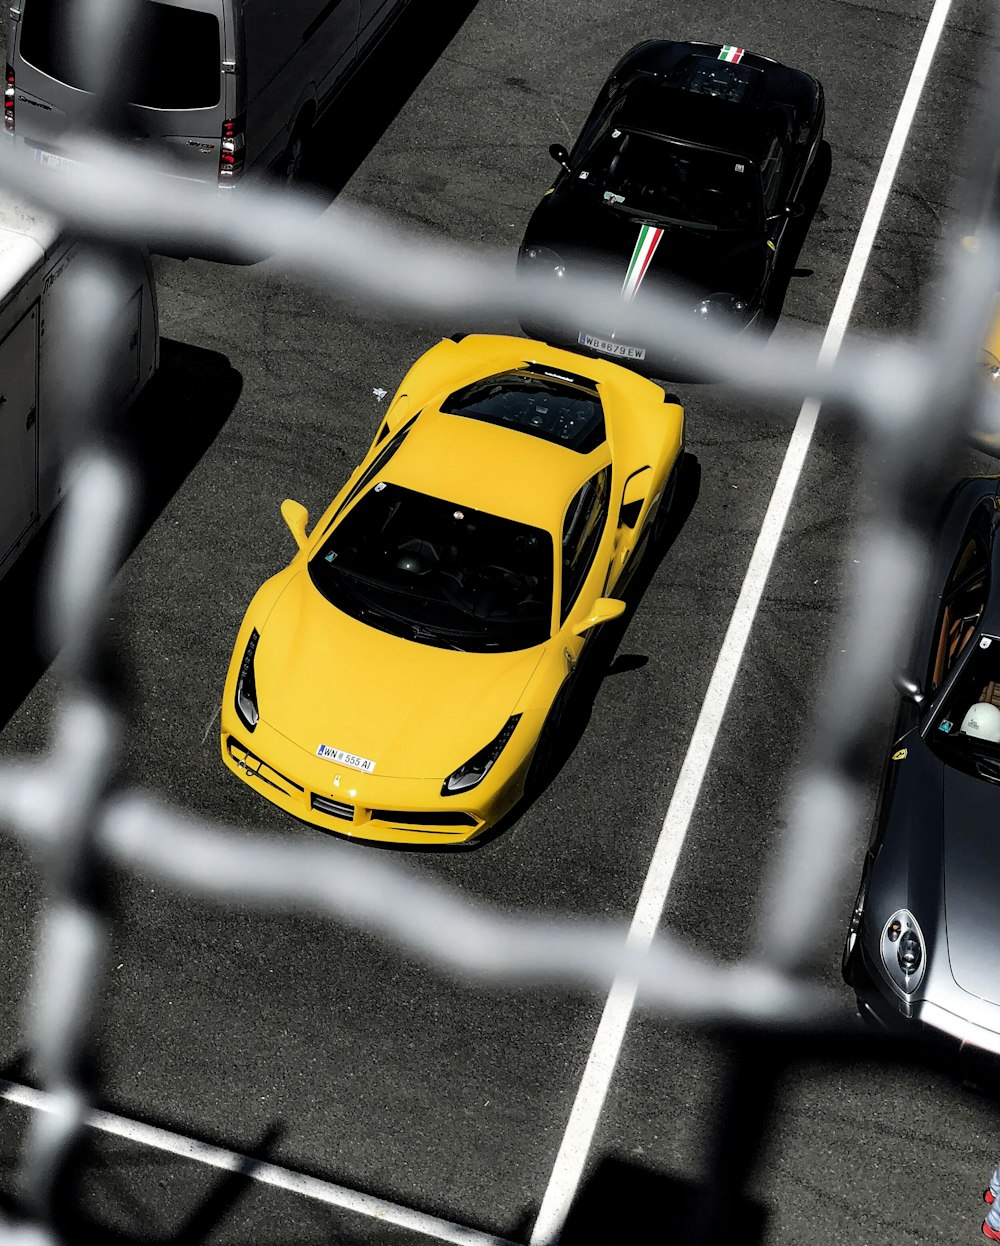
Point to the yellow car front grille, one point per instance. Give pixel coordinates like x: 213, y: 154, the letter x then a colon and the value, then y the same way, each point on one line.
x: 332, y: 808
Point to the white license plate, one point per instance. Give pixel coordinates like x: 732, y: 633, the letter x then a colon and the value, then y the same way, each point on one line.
x: 618, y: 349
x: 58, y: 162
x: 351, y: 760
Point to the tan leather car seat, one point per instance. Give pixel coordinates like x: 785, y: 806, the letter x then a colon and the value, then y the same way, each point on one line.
x: 991, y: 693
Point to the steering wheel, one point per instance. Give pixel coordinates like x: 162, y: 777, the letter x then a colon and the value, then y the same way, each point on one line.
x: 477, y: 592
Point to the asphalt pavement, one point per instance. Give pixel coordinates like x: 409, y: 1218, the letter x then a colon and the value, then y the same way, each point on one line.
x: 326, y: 1051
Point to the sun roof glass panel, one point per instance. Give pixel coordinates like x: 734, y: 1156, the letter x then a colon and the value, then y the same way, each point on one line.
x: 548, y: 405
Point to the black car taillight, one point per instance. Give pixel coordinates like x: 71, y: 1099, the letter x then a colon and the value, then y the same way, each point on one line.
x: 8, y: 100
x: 232, y: 151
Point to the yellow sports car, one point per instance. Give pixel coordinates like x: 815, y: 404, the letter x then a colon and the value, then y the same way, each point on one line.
x: 400, y: 680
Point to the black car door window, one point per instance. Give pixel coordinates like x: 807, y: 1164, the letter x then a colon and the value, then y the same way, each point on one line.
x: 380, y: 460
x: 583, y: 527
x: 962, y: 604
x: 772, y: 177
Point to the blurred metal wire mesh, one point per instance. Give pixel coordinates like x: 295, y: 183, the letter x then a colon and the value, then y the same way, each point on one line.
x: 911, y: 401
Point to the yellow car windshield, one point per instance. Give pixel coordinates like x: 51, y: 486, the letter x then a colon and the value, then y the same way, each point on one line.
x: 438, y: 573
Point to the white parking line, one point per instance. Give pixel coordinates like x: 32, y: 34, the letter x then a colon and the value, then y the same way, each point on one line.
x: 266, y: 1174
x: 578, y: 1137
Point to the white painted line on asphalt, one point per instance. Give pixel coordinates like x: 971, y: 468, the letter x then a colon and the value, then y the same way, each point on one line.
x: 582, y: 1125
x: 266, y: 1174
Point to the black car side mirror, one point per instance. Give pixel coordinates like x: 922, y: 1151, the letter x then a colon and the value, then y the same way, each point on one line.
x: 560, y: 155
x: 909, y: 687
x: 792, y: 210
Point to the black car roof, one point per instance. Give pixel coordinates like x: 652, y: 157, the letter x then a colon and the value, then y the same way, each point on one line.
x: 694, y: 117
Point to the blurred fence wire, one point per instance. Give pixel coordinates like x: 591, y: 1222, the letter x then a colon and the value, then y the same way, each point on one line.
x: 910, y: 401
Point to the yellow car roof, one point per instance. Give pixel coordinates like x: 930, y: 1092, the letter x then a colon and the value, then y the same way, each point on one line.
x: 491, y: 468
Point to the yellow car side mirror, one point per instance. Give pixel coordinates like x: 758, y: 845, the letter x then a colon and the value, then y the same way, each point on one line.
x: 296, y: 516
x: 603, y: 610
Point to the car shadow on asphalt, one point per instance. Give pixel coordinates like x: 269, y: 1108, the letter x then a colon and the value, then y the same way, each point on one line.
x: 343, y: 139
x: 144, y: 1196
x: 163, y: 435
x: 126, y: 1190
x: 101, y: 1194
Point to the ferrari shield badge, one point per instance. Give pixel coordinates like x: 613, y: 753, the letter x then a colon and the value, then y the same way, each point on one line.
x: 899, y: 754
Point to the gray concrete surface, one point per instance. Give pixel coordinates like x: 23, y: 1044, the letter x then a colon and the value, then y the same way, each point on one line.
x: 330, y: 1052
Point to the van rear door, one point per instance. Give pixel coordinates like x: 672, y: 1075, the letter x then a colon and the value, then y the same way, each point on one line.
x: 178, y: 90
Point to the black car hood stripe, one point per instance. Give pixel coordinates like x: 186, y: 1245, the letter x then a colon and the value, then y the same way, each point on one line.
x: 699, y: 261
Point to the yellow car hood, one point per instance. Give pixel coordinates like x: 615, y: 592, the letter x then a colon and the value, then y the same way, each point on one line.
x: 416, y: 711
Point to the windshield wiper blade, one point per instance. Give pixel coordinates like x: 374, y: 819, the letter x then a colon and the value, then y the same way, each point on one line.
x: 408, y: 626
x: 359, y: 577
x: 643, y: 214
x: 428, y: 633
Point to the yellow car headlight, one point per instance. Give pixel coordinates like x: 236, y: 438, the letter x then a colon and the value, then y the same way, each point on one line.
x: 246, y: 686
x: 478, y: 767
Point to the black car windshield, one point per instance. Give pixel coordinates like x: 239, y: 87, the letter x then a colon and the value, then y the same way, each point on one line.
x: 546, y: 405
x: 639, y: 172
x: 965, y: 729
x: 438, y: 573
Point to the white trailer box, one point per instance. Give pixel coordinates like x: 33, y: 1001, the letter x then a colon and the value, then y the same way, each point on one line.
x: 34, y: 259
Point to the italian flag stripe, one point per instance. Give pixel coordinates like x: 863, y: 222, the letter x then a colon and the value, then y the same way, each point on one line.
x: 729, y: 53
x: 645, y: 247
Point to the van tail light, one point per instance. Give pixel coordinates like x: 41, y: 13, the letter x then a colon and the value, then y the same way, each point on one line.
x: 8, y: 100
x: 232, y: 152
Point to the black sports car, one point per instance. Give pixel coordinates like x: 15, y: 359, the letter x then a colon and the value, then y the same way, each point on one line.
x: 923, y: 944
x: 686, y: 174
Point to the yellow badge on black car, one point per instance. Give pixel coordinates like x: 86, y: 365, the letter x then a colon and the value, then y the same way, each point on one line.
x: 899, y: 754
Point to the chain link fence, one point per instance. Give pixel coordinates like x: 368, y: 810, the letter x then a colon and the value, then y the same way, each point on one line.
x: 912, y: 403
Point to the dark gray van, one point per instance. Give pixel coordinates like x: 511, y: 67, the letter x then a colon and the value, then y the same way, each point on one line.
x: 232, y: 84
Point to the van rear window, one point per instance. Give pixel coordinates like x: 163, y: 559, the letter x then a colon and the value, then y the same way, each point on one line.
x: 182, y: 68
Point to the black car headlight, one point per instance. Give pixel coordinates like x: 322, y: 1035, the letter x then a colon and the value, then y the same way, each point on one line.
x: 246, y: 686
x: 477, y: 768
x: 904, y: 953
x: 543, y: 259
x: 724, y: 307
